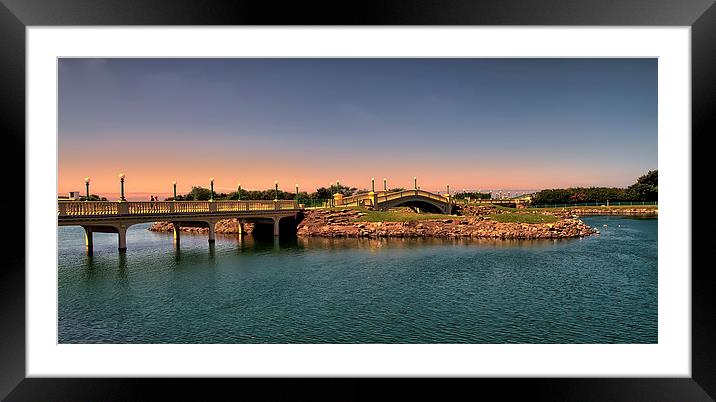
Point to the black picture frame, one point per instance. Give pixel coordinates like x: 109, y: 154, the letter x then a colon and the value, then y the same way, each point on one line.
x: 16, y: 15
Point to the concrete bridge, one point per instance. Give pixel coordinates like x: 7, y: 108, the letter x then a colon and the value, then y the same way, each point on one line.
x: 118, y: 216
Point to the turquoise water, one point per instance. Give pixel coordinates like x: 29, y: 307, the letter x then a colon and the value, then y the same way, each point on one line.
x: 599, y: 289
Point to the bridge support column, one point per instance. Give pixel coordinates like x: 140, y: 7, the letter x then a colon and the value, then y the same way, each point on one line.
x: 241, y: 228
x: 212, y: 232
x: 89, y: 240
x: 275, y: 226
x: 177, y: 232
x: 122, y: 231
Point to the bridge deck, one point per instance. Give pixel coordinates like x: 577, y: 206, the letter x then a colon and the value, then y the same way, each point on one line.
x: 69, y: 211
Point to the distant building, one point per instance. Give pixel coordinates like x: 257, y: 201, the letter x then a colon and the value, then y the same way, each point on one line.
x: 71, y: 196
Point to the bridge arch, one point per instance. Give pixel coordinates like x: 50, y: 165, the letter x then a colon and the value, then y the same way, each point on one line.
x: 426, y: 203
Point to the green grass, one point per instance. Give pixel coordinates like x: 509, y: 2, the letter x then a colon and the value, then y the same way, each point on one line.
x: 401, y: 216
x: 523, y: 218
x: 504, y: 208
x: 396, y: 216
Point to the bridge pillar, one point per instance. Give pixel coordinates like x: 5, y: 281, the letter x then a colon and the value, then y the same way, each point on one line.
x: 276, y: 225
x: 241, y: 227
x: 88, y: 240
x: 212, y: 232
x: 122, y: 232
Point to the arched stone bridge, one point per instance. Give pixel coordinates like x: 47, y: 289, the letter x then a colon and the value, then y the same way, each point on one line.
x: 383, y: 201
x: 425, y: 200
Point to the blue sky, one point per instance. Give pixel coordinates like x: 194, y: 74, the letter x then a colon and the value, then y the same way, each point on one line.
x: 474, y: 123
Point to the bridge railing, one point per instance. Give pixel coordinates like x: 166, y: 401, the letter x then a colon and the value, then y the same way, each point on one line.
x: 351, y: 199
x: 81, y: 208
x: 258, y: 205
x: 116, y: 208
x: 315, y: 202
x: 146, y: 208
x: 496, y: 201
x: 190, y: 206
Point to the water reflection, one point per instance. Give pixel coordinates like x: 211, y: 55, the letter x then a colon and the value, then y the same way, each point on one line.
x: 266, y: 244
x: 89, y: 270
x: 407, y: 243
x: 262, y: 244
x: 122, y: 273
x: 212, y: 250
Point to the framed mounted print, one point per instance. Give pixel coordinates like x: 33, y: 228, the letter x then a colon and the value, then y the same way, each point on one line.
x: 456, y: 191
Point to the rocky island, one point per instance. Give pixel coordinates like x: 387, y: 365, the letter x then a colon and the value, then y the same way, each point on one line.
x: 476, y: 222
x: 469, y: 222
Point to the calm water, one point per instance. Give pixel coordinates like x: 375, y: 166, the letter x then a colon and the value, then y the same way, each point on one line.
x: 600, y: 289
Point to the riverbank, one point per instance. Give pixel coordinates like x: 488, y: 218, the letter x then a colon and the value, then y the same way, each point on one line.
x: 611, y: 210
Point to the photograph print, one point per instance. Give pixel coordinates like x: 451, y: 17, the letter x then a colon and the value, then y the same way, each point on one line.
x: 357, y: 201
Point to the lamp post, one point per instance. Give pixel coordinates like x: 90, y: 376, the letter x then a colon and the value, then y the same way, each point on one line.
x: 372, y: 184
x: 239, y: 192
x: 87, y: 180
x: 121, y: 187
x: 275, y: 184
x: 385, y: 185
x: 448, y: 189
x: 211, y: 195
x: 330, y: 189
x: 174, y: 184
x: 415, y: 182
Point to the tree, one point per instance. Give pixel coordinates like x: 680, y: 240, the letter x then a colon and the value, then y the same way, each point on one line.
x: 646, y: 187
x: 198, y: 194
x: 322, y: 193
x: 93, y: 197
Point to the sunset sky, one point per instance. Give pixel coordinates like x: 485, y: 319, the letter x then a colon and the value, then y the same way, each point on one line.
x: 495, y: 124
